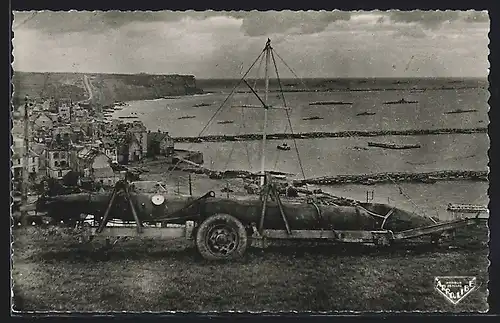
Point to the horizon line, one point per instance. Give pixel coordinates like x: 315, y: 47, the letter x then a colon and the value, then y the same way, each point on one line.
x: 272, y: 78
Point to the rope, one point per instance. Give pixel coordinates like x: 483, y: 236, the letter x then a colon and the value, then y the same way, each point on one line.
x: 233, y: 145
x: 244, y: 143
x: 243, y: 110
x: 292, y: 71
x: 218, y: 110
x: 288, y: 117
x: 282, y: 97
x: 230, y: 155
x: 407, y: 196
x: 400, y: 188
x: 242, y: 125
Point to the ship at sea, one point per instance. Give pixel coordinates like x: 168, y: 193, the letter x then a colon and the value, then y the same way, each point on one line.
x: 401, y: 101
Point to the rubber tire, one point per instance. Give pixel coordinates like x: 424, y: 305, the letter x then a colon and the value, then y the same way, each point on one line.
x: 205, y: 227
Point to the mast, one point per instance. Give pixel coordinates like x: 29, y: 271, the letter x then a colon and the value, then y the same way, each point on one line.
x: 264, y: 131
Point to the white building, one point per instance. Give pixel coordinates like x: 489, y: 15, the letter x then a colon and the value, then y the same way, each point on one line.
x: 18, y: 159
x: 64, y: 112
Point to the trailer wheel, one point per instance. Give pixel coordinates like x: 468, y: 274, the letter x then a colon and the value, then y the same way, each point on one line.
x: 221, y: 237
x: 84, y: 234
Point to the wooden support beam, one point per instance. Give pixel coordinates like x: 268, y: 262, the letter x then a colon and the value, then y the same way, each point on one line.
x: 264, y: 207
x: 282, y: 211
x: 164, y: 233
x: 105, y: 218
x: 132, y: 208
x: 353, y: 236
x: 440, y: 227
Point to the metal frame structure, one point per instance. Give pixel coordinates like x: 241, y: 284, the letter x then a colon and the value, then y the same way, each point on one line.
x: 260, y: 236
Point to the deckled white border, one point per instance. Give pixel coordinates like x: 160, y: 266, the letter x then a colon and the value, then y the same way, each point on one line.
x: 112, y: 313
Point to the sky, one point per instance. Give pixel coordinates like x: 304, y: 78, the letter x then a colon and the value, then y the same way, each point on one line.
x: 213, y: 44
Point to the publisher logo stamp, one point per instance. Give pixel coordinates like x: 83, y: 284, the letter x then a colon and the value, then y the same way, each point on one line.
x: 455, y: 288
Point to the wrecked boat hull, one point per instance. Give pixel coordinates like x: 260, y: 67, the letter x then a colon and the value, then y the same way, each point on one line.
x: 178, y: 209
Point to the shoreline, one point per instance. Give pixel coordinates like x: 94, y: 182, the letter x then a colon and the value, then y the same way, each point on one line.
x: 158, y: 168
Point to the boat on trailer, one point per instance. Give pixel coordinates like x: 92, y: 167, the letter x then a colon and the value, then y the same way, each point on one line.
x: 223, y: 228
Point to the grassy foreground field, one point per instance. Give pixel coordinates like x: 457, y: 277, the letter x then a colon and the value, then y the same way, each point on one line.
x: 51, y: 272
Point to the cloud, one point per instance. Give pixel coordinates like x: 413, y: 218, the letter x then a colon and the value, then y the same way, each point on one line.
x: 255, y: 23
x: 411, y: 31
x: 434, y: 19
x: 101, y: 21
x: 217, y: 44
x: 476, y: 16
x: 303, y: 22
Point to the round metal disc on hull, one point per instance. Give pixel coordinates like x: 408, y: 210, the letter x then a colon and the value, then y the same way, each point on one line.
x: 157, y: 199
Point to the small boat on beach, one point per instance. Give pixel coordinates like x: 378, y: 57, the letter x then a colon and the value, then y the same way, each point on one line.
x: 393, y: 146
x: 225, y: 122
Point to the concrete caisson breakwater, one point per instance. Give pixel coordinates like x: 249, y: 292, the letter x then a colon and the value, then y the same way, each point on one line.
x: 364, y: 179
x: 381, y: 178
x: 339, y: 134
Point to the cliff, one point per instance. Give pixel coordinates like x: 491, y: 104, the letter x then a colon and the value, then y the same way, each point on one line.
x: 105, y: 88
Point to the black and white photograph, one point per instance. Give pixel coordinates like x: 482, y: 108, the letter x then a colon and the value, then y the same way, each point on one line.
x: 250, y: 161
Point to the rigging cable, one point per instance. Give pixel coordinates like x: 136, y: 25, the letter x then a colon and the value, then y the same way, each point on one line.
x: 243, y: 112
x: 387, y: 176
x: 292, y: 71
x: 244, y: 143
x: 217, y: 111
x: 282, y: 97
x: 288, y: 117
x: 233, y: 145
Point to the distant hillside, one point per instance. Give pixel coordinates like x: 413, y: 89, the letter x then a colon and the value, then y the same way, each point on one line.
x: 106, y: 88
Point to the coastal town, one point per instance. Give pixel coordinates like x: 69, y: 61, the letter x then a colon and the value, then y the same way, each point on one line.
x: 76, y: 145
x: 236, y: 162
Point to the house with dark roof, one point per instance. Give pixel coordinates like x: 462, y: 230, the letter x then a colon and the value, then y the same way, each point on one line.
x: 43, y: 120
x: 139, y: 132
x: 96, y: 165
x: 90, y: 159
x: 18, y: 159
x: 59, y: 160
x: 129, y: 149
x: 160, y: 144
x: 62, y: 135
x: 110, y: 149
